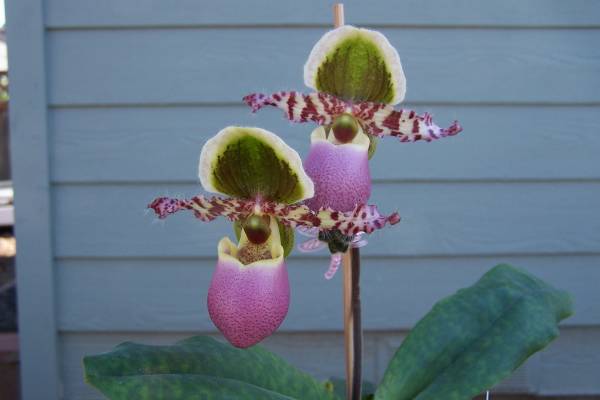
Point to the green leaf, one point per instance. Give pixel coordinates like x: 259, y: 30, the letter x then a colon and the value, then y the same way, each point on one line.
x: 356, y: 65
x: 180, y: 387
x: 338, y: 386
x: 286, y: 233
x: 475, y: 338
x: 198, y: 368
x: 251, y: 163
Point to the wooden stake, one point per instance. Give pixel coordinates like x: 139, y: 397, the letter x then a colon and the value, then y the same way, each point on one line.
x: 338, y: 15
x: 352, y: 320
x: 348, y: 322
x: 353, y: 335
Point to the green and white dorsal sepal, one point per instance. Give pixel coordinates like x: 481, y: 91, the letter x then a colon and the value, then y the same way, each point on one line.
x: 356, y: 64
x: 251, y: 163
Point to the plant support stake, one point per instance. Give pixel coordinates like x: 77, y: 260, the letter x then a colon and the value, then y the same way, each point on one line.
x: 351, y: 267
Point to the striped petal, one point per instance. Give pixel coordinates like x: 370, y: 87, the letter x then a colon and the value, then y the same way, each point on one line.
x: 377, y: 119
x: 363, y: 218
x: 205, y: 209
x: 384, y: 120
x: 314, y: 107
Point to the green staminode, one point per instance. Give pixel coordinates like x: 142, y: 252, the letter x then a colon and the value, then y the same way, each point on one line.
x: 250, y: 163
x: 286, y: 235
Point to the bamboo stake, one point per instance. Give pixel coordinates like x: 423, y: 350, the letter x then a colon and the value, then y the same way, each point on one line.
x: 353, y: 334
x: 348, y: 322
x: 338, y: 15
x: 352, y: 320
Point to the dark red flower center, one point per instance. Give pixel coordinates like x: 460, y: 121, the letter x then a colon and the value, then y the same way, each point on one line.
x: 257, y: 228
x: 345, y: 127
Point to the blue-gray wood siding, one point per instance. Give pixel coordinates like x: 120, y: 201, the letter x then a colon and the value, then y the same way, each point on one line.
x: 40, y: 376
x: 134, y: 88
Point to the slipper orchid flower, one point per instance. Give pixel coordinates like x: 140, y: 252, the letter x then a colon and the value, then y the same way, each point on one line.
x: 264, y: 180
x: 358, y: 78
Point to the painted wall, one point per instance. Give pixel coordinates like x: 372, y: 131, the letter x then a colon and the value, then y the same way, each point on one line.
x: 113, y: 100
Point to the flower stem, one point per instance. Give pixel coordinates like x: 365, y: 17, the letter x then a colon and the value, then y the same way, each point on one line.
x: 352, y: 324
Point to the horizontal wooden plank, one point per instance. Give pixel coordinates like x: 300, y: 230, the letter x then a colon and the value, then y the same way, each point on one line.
x: 438, y: 219
x: 567, y: 366
x: 498, y: 143
x: 89, y: 13
x: 222, y: 65
x: 571, y: 364
x: 170, y: 295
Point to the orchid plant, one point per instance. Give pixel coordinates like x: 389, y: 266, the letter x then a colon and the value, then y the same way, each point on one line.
x: 467, y: 343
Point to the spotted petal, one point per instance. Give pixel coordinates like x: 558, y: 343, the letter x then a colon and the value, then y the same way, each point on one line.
x: 364, y: 218
x: 314, y: 107
x: 356, y: 64
x: 249, y: 163
x: 407, y: 125
x: 205, y: 209
x: 377, y: 119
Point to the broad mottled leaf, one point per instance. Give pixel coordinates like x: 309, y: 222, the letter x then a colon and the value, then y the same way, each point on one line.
x: 338, y: 386
x: 252, y: 163
x: 180, y: 387
x: 356, y: 64
x: 475, y: 338
x: 198, y: 368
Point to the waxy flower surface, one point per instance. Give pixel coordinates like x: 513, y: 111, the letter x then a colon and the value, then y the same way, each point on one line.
x: 265, y: 183
x: 343, y: 166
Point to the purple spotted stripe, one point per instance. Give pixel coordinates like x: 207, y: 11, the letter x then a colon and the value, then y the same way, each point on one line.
x: 315, y: 107
x: 376, y: 119
x: 205, y: 209
x: 364, y: 218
